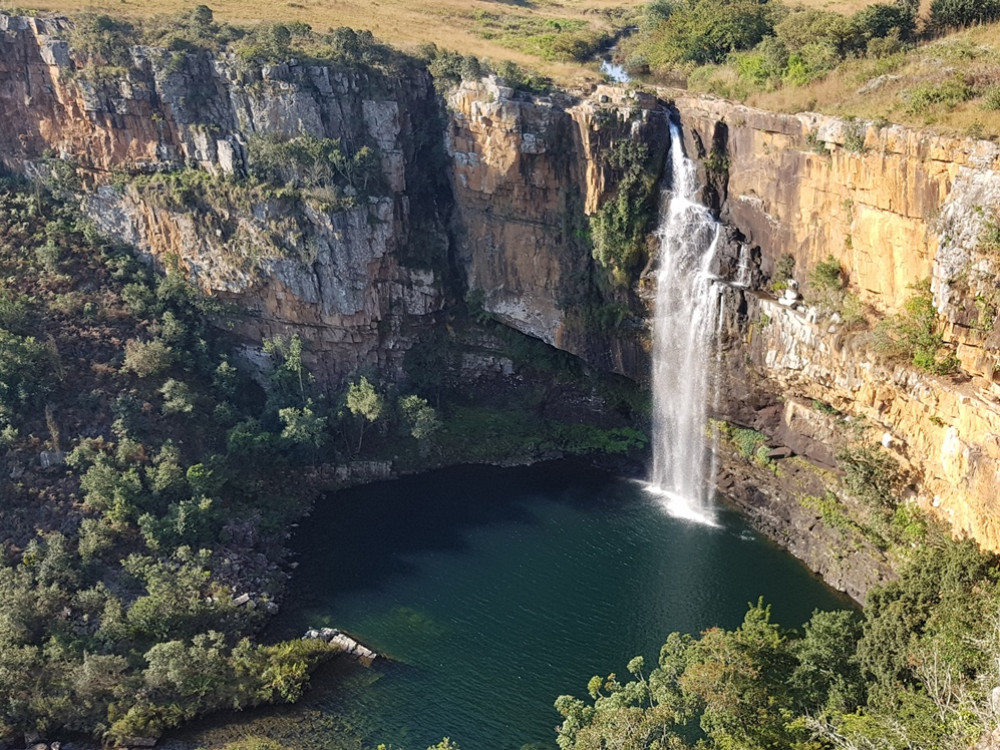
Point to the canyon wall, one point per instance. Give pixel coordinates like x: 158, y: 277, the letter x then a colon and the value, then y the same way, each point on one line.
x: 526, y: 173
x: 895, y: 207
x: 487, y: 196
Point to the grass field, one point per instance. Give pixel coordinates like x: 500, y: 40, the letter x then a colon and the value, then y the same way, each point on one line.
x: 460, y: 25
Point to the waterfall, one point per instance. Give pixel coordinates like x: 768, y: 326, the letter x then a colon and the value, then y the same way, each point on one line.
x: 684, y: 331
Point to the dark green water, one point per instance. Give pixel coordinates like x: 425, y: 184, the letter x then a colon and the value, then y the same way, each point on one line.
x: 494, y: 591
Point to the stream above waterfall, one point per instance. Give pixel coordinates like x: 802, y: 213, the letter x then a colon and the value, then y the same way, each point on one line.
x: 496, y: 590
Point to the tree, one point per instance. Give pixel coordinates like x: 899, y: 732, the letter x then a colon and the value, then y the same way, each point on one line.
x: 202, y: 16
x: 828, y: 676
x: 706, y: 31
x: 146, y: 358
x: 365, y: 402
x: 287, y: 356
x: 956, y: 14
x: 302, y: 426
x: 27, y: 370
x: 178, y: 398
x: 420, y: 416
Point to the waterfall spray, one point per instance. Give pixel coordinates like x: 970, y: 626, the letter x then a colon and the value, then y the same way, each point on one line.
x: 686, y: 316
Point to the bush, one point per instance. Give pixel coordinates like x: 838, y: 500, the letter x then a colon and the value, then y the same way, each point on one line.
x: 620, y: 227
x: 750, y: 443
x: 914, y: 334
x: 991, y: 97
x: 309, y: 162
x: 948, y: 93
x: 107, y: 40
x: 767, y: 61
x: 882, y: 20
x: 701, y: 32
x: 827, y: 276
x: 147, y: 358
x: 871, y: 474
x: 521, y: 79
x: 809, y: 26
x: 27, y: 373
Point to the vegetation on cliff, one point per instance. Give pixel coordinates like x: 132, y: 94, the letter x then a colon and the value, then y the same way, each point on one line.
x: 136, y: 564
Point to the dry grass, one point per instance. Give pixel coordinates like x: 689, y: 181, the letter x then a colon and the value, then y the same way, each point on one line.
x: 451, y: 24
x: 884, y: 89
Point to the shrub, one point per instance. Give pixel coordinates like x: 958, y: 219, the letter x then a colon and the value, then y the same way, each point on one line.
x: 699, y: 32
x: 146, y: 358
x: 750, y: 443
x: 620, y: 226
x: 178, y: 398
x: 27, y: 373
x: 854, y: 136
x: 914, y: 335
x: 871, y: 474
x: 826, y: 285
x: 521, y: 79
x: 948, y: 93
x: 991, y: 97
x: 809, y: 26
x: 108, y: 40
x: 308, y: 162
x: 885, y: 47
x: 883, y: 20
x: 811, y: 62
x: 767, y: 61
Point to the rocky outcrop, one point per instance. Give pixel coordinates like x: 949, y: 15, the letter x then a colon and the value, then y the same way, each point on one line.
x: 945, y: 432
x: 344, y: 643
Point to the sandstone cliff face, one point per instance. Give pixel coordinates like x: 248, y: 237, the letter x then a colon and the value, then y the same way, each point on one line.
x: 893, y: 206
x: 356, y: 278
x: 945, y: 432
x: 527, y: 174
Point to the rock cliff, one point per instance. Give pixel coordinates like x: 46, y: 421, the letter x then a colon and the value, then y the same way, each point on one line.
x: 894, y: 206
x: 490, y: 195
x: 164, y: 147
x: 527, y: 172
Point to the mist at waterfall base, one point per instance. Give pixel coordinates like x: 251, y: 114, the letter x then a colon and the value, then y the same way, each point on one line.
x: 686, y: 317
x: 496, y: 590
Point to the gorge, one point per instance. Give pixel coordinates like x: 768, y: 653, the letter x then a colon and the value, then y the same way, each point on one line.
x: 474, y: 245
